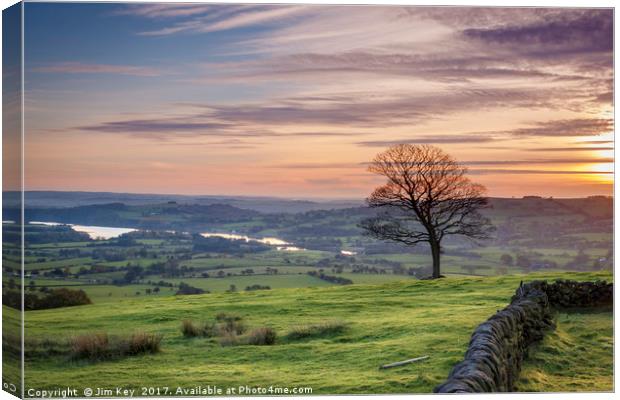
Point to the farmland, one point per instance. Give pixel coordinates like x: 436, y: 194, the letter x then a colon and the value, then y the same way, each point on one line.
x: 532, y: 235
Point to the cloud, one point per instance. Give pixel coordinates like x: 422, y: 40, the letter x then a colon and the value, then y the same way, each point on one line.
x: 596, y: 142
x: 198, y: 124
x: 318, y: 166
x: 535, y: 172
x: 430, y: 139
x: 558, y: 161
x: 230, y: 18
x: 438, y: 67
x: 83, y: 68
x: 368, y: 110
x: 165, y: 10
x: 233, y: 144
x: 153, y: 125
x: 351, y: 114
x: 567, y: 127
x: 329, y: 182
x: 574, y: 31
x: 561, y: 149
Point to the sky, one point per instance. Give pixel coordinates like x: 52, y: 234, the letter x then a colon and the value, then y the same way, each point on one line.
x: 295, y: 100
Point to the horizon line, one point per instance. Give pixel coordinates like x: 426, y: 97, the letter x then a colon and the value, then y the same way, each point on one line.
x: 308, y: 198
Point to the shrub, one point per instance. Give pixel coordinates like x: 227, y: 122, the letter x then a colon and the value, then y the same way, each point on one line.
x: 229, y: 323
x: 227, y: 317
x: 95, y: 346
x: 231, y: 326
x: 189, y: 329
x: 143, y: 342
x: 98, y: 346
x: 316, y: 330
x: 226, y: 326
x: 228, y: 339
x: 210, y: 329
x: 263, y: 336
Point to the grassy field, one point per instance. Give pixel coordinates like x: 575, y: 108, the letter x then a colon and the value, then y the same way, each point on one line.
x: 576, y: 357
x: 387, y: 322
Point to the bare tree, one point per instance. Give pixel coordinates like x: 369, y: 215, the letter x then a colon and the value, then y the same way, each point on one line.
x: 426, y: 198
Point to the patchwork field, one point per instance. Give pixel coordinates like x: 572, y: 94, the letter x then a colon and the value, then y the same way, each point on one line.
x: 383, y: 323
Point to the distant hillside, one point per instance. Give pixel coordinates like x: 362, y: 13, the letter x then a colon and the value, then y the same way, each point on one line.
x: 594, y: 206
x: 262, y: 204
x: 161, y: 216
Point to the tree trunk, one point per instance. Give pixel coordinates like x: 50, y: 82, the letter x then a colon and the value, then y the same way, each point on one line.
x: 435, y: 251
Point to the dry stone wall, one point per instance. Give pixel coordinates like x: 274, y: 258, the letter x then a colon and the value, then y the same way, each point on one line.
x: 498, y: 346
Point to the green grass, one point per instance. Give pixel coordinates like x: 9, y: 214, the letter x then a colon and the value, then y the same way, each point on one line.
x: 385, y: 323
x: 274, y: 281
x: 104, y: 293
x: 68, y: 262
x: 576, y: 357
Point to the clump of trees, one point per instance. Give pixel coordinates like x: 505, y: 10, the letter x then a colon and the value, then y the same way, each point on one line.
x: 186, y: 289
x: 222, y: 245
x: 54, y: 298
x: 330, y: 278
x: 257, y: 287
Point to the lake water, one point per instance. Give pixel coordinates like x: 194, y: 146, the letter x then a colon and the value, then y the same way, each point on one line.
x: 107, y: 232
x: 95, y: 232
x: 279, y: 244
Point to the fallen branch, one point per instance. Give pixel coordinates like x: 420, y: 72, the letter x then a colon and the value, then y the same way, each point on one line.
x: 399, y: 363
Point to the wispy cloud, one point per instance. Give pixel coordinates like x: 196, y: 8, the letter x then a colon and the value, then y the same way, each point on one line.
x: 553, y: 161
x: 325, y: 165
x: 442, y: 67
x: 169, y: 125
x: 338, y: 116
x: 231, y: 18
x: 596, y: 142
x: 569, y: 149
x: 536, y: 172
x: 170, y: 10
x: 568, y: 127
x: 430, y: 139
x: 85, y: 68
x: 205, y: 124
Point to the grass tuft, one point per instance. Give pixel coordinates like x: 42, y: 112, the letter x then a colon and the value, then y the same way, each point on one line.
x: 317, y: 330
x: 143, y: 342
x: 94, y: 346
x: 189, y: 329
x: 226, y: 325
x: 99, y: 346
x: 229, y: 339
x: 263, y: 336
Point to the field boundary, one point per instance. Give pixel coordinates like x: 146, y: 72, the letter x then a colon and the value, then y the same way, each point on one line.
x: 498, y: 346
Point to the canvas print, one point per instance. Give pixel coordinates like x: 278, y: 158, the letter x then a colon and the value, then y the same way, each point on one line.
x: 205, y: 199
